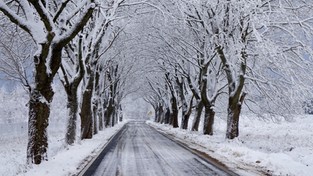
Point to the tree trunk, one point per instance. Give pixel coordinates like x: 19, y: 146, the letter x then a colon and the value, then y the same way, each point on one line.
x: 160, y: 114
x: 208, y: 120
x: 196, y: 120
x: 120, y: 117
x: 174, y: 113
x: 72, y: 105
x: 109, y: 112
x: 185, y: 109
x: 156, y: 113
x: 41, y: 96
x: 39, y: 111
x: 186, y: 114
x: 113, y: 115
x: 94, y: 116
x: 184, y: 122
x: 167, y: 116
x: 71, y: 86
x: 47, y: 61
x: 86, y: 113
x: 234, y: 109
x: 96, y: 101
x: 117, y: 111
x: 100, y: 119
x: 236, y: 96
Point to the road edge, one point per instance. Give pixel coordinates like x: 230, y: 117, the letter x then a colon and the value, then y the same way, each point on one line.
x: 84, y: 170
x: 204, y: 156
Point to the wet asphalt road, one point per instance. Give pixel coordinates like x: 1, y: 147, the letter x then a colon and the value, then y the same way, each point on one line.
x: 139, y: 150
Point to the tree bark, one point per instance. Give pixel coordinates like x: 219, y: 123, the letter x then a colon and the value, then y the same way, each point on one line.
x: 174, y: 113
x: 72, y: 105
x: 234, y: 109
x: 120, y: 117
x: 39, y: 111
x: 113, y: 115
x: 160, y: 111
x: 46, y: 64
x: 208, y: 120
x: 108, y: 114
x: 196, y: 120
x: 185, y: 108
x: 186, y: 116
x: 156, y: 111
x: 167, y: 116
x: 100, y: 119
x: 208, y: 104
x: 41, y: 96
x: 71, y: 92
x: 86, y: 113
x: 162, y: 114
x: 184, y: 121
x: 95, y: 116
x: 235, y: 91
x: 96, y: 102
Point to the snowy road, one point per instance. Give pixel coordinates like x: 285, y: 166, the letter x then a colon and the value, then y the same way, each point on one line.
x: 142, y: 151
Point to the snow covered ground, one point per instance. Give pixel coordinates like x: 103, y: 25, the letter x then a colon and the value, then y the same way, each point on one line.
x: 13, y: 138
x: 274, y: 148
x: 62, y: 160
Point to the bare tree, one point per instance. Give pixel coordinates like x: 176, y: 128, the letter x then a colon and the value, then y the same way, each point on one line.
x: 239, y: 40
x: 47, y: 24
x: 71, y: 74
x: 15, y: 54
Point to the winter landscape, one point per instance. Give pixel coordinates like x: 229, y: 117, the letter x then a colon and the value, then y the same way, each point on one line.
x: 156, y: 87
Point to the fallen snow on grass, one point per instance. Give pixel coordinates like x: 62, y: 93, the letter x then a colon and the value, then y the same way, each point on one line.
x: 284, y: 148
x: 62, y: 160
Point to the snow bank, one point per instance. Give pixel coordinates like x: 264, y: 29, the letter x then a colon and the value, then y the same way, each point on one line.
x: 263, y: 147
x: 13, y: 139
x: 72, y: 159
x: 62, y: 160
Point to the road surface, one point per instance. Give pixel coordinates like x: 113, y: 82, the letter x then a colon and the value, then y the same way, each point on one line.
x: 139, y: 150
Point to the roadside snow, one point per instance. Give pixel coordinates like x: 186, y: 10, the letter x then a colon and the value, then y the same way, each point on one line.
x: 63, y: 161
x: 13, y: 139
x: 263, y: 147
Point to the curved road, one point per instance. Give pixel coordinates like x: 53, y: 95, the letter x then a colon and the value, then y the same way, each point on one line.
x: 139, y: 150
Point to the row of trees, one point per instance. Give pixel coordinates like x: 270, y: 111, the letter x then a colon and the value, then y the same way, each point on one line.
x: 224, y: 53
x: 70, y: 39
x: 194, y: 56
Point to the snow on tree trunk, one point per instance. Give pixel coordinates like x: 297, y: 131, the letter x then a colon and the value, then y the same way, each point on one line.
x: 39, y: 111
x: 156, y: 113
x: 72, y: 105
x: 184, y: 122
x: 94, y: 116
x: 100, y: 118
x: 96, y: 102
x: 174, y: 112
x: 71, y: 87
x: 113, y: 115
x: 120, y: 117
x: 41, y: 96
x: 196, y: 120
x: 86, y: 113
x: 234, y: 109
x: 235, y: 93
x: 167, y: 116
x: 186, y: 112
x: 160, y: 114
x: 184, y: 105
x: 109, y: 112
x: 208, y: 120
x: 38, y: 20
